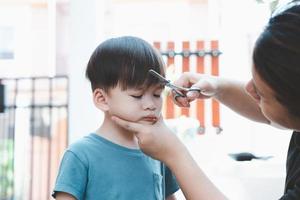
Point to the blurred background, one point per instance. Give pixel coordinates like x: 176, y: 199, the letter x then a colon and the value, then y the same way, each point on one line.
x: 46, y: 102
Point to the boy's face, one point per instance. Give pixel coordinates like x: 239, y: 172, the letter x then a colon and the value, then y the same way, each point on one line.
x: 137, y: 105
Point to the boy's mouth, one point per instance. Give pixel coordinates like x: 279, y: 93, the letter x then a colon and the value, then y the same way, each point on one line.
x: 150, y: 119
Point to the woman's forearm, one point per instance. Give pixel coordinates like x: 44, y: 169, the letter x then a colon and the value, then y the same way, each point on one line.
x: 194, y: 184
x: 230, y: 93
x: 233, y: 95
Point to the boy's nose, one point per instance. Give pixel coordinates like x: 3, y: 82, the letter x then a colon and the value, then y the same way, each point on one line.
x: 149, y: 104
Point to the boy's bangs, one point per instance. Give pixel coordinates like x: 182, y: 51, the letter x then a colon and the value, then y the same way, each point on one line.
x: 139, y: 77
x: 135, y: 71
x: 126, y: 62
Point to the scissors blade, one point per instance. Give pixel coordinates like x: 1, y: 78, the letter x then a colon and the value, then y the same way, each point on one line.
x: 166, y: 82
x: 160, y: 77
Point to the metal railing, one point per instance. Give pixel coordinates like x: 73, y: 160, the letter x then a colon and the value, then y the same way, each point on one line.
x: 201, y: 57
x: 33, y: 135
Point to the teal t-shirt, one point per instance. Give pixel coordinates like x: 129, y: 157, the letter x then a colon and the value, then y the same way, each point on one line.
x: 94, y: 168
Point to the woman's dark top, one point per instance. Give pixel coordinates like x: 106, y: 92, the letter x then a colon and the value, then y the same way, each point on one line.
x: 292, y: 182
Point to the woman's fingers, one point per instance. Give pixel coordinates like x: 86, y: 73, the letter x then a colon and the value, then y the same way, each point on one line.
x: 184, y: 80
x: 208, y: 86
x: 131, y: 126
x: 193, y: 94
x: 180, y: 100
x: 155, y: 140
x: 187, y: 80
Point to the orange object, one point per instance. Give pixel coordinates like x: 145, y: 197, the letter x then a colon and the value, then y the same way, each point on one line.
x: 215, y: 71
x: 157, y: 45
x: 170, y: 109
x: 200, y: 54
x: 200, y: 103
x: 185, y: 67
x: 169, y: 105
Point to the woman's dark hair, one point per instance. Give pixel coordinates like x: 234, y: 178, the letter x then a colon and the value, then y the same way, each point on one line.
x: 276, y: 57
x: 125, y: 61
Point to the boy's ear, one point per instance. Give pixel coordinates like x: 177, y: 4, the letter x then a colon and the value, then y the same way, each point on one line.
x: 100, y: 99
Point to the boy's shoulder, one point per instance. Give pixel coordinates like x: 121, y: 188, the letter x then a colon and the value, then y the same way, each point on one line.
x: 83, y: 145
x: 86, y: 148
x: 81, y: 142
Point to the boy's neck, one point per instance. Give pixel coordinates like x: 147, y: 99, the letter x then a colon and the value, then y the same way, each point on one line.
x: 114, y: 133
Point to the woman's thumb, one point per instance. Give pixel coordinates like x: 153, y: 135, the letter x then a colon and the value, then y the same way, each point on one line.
x: 206, y: 87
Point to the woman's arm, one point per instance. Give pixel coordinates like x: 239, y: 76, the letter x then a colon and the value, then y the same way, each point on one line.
x: 230, y: 93
x: 194, y: 184
x: 234, y: 95
x: 161, y: 143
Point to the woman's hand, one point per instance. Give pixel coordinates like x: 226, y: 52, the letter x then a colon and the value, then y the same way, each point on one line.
x: 209, y: 86
x: 159, y: 142
x: 155, y: 140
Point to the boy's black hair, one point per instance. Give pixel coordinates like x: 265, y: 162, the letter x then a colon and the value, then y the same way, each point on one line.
x: 125, y: 61
x: 276, y: 57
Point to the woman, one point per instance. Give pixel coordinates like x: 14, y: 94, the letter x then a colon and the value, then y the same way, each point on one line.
x: 272, y: 96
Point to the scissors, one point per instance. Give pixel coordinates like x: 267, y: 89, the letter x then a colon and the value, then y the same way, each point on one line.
x: 180, y: 91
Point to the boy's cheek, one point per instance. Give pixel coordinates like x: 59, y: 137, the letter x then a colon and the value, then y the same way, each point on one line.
x: 124, y: 115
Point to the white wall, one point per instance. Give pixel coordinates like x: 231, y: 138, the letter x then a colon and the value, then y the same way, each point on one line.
x: 33, y: 40
x: 159, y: 20
x: 85, y: 18
x: 19, y: 19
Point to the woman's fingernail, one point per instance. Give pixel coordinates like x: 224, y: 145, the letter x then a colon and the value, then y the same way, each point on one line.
x: 192, y: 94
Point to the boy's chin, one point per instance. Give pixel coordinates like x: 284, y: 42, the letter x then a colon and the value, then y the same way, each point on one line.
x: 146, y: 122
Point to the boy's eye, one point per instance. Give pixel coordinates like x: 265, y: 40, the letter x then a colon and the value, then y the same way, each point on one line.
x: 157, y: 95
x: 137, y: 96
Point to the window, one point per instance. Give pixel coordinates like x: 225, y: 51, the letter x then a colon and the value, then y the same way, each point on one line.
x: 6, y: 42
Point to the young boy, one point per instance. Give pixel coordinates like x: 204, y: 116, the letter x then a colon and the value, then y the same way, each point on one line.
x: 108, y: 164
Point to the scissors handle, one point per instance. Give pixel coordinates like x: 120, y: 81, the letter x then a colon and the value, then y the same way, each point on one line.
x: 182, y: 93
